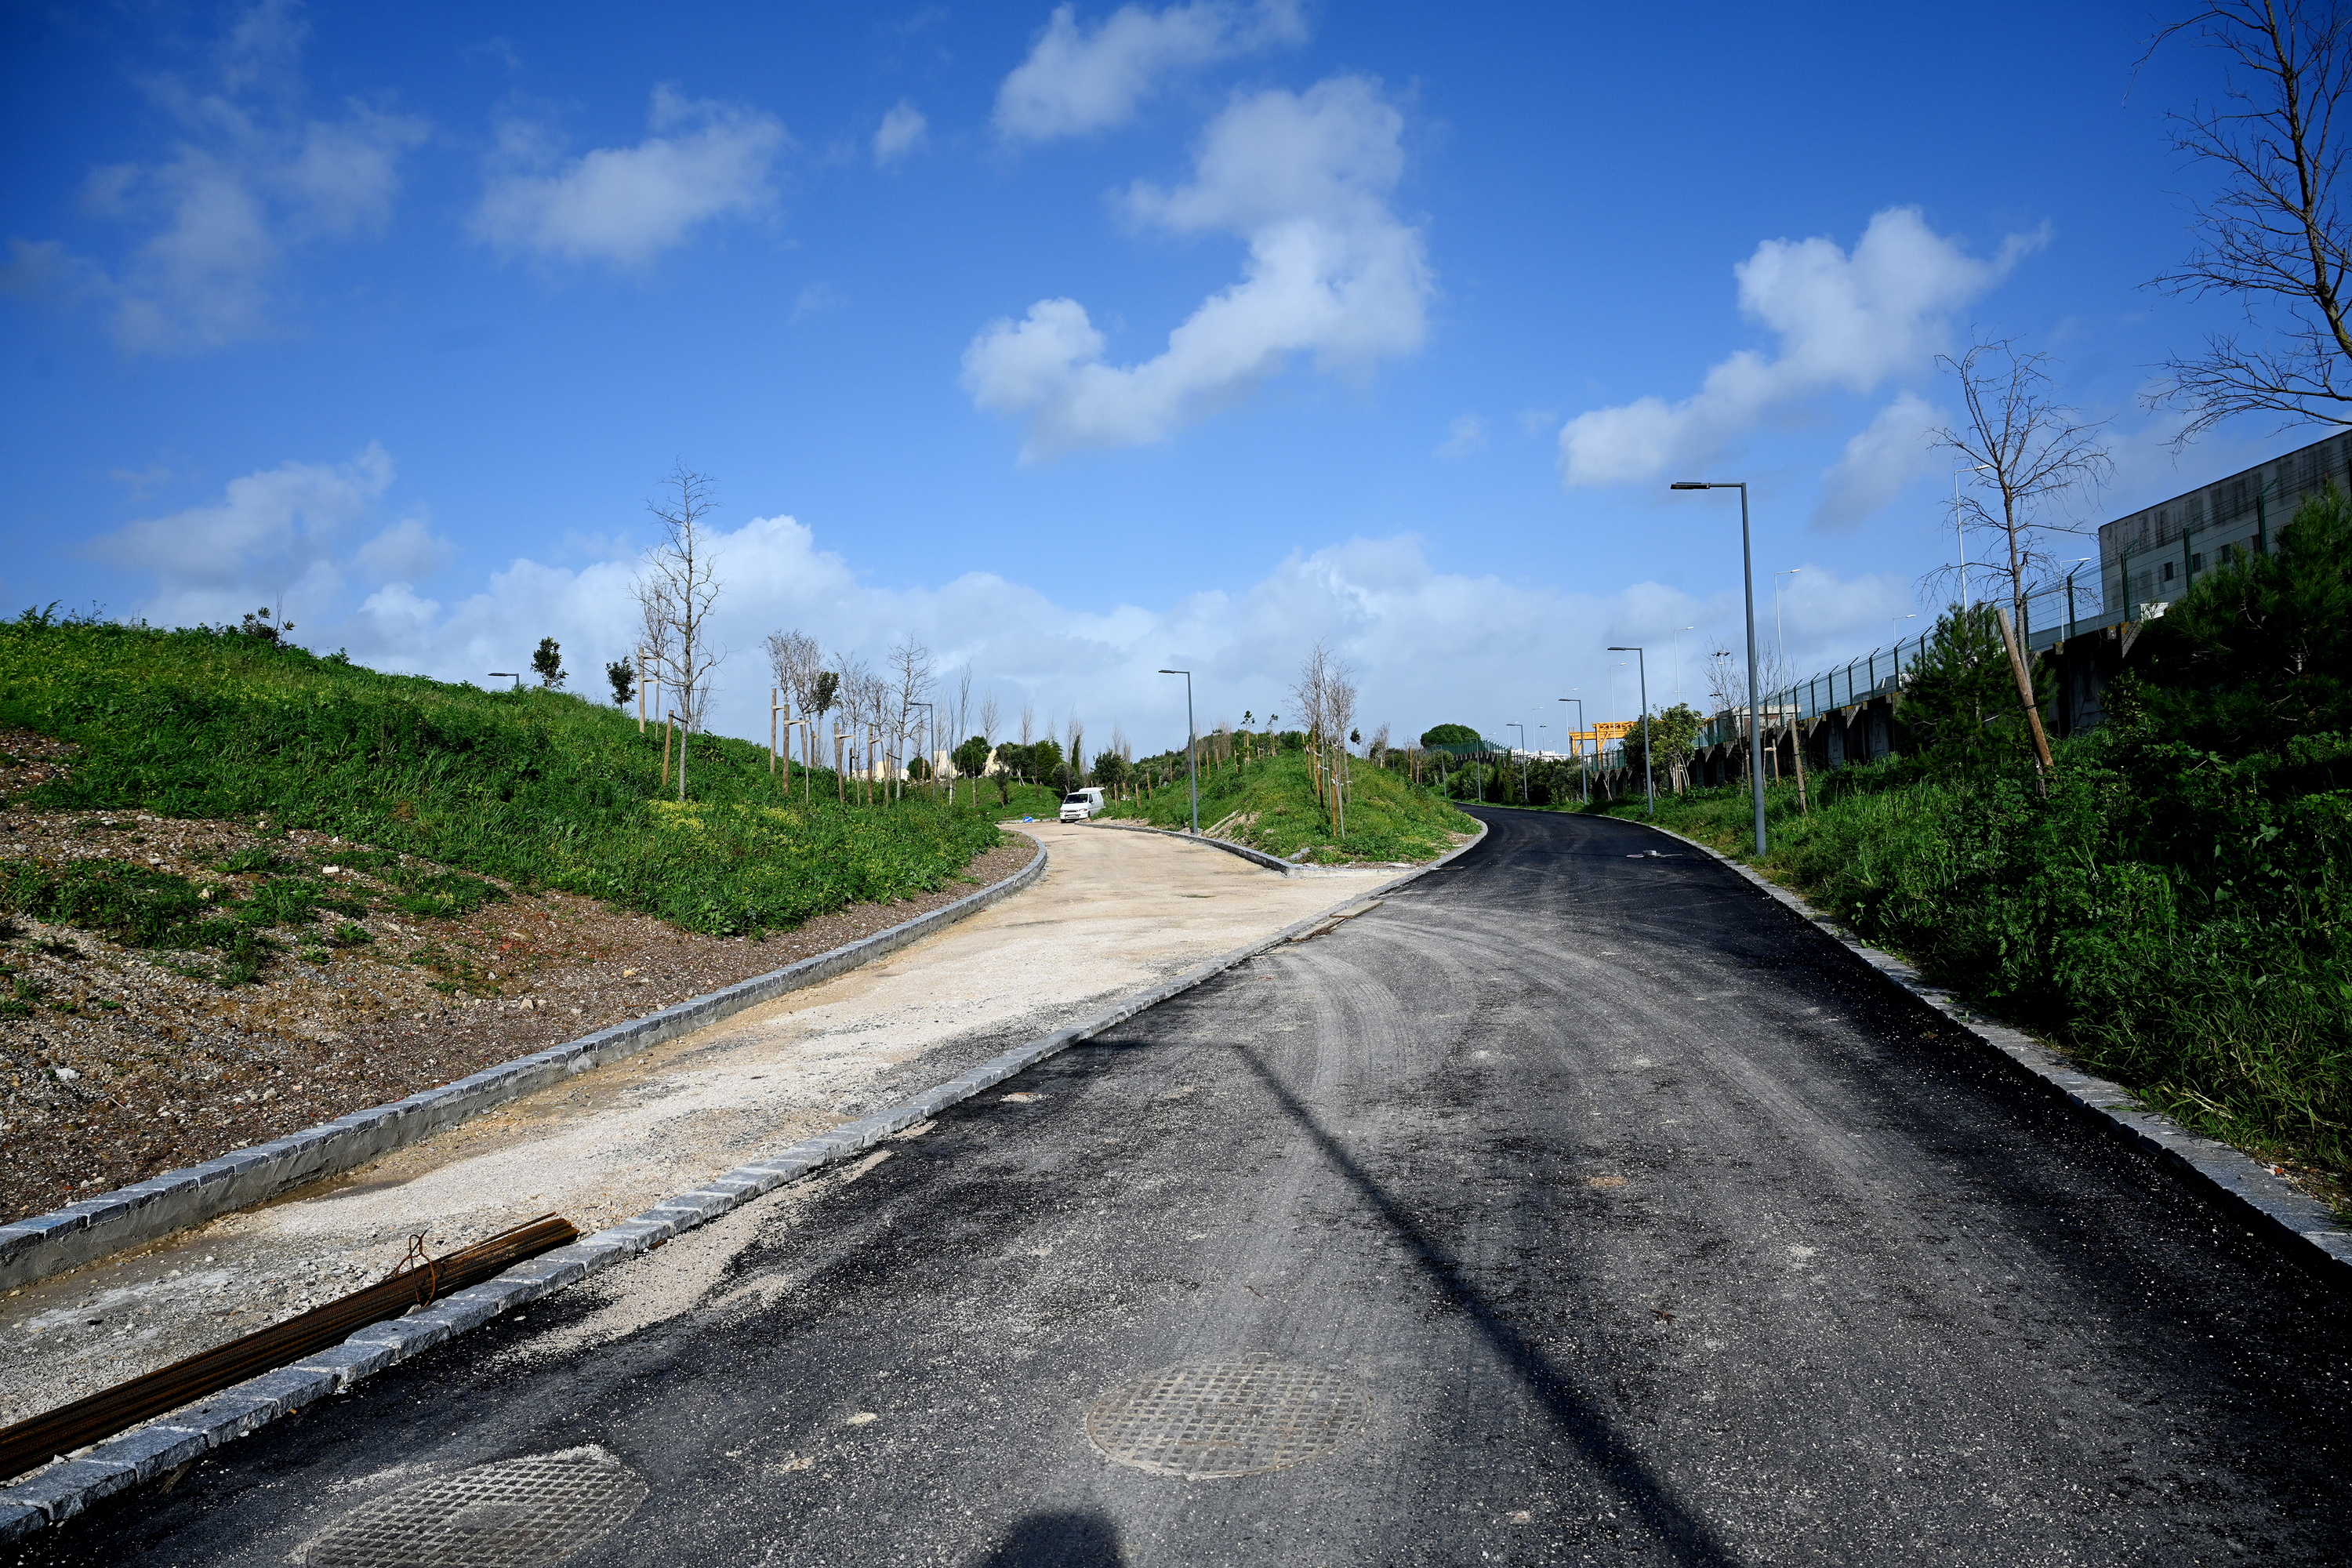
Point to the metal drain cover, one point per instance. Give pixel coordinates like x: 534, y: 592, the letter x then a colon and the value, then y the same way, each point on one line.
x: 1207, y: 1419
x: 516, y: 1513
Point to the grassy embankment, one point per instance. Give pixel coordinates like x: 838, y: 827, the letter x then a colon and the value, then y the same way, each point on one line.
x: 535, y: 788
x: 2180, y: 920
x: 1020, y: 800
x: 1269, y: 803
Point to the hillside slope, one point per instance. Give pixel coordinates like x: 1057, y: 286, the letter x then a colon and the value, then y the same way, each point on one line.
x: 1270, y: 804
x: 536, y: 788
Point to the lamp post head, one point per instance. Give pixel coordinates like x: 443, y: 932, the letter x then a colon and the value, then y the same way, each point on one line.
x: 1688, y: 485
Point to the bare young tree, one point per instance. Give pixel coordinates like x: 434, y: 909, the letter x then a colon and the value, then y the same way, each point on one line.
x: 797, y: 662
x: 2272, y: 237
x: 871, y: 699
x: 957, y: 734
x: 1324, y: 698
x: 2027, y: 453
x: 676, y: 591
x: 990, y: 716
x: 910, y: 687
x: 1727, y: 681
x: 1028, y: 722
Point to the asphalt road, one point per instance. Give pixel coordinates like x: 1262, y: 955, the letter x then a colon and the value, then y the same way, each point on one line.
x: 1657, y: 1229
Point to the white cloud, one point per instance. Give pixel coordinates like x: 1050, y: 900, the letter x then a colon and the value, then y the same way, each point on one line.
x: 274, y: 535
x: 1074, y: 82
x: 1895, y: 448
x: 1332, y: 272
x: 1467, y: 435
x: 405, y: 551
x: 706, y: 160
x: 1423, y: 638
x: 252, y: 181
x: 901, y: 132
x: 1846, y: 322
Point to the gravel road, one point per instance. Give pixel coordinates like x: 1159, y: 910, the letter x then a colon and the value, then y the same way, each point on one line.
x: 1566, y: 1207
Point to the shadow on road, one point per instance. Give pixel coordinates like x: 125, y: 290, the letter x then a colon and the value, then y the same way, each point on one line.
x: 1067, y: 1538
x: 1569, y: 1410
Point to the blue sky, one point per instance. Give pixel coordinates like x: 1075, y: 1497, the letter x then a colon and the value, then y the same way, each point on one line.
x: 1073, y: 341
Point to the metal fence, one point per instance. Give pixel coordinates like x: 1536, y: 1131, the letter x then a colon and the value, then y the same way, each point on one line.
x: 2052, y: 615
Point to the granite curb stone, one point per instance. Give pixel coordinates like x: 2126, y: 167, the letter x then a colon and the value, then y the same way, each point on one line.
x: 42, y: 1245
x: 2305, y: 1228
x: 261, y: 1400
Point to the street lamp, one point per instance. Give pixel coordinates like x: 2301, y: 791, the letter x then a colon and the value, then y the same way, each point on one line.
x: 1641, y: 664
x: 1958, y: 535
x: 1780, y: 643
x: 1748, y: 575
x: 1522, y: 728
x: 1191, y: 748
x: 1583, y: 778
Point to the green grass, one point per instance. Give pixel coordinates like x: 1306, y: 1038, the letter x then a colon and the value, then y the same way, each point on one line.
x: 1025, y: 800
x: 2180, y: 920
x: 1270, y: 804
x: 535, y: 789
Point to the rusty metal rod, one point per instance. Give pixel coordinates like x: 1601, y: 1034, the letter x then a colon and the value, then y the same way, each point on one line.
x: 42, y: 1438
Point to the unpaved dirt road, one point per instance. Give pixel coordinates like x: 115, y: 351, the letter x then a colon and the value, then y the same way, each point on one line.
x: 1115, y: 911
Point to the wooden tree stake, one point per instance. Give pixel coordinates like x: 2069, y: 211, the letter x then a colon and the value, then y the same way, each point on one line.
x: 2024, y: 687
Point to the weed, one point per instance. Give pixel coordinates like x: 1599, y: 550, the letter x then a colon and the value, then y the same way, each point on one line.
x: 349, y: 936
x: 439, y: 895
x: 256, y: 857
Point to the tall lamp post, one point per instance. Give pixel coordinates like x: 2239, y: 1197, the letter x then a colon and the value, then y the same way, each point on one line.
x: 1649, y: 787
x: 1191, y: 748
x: 1522, y: 728
x: 1583, y: 778
x: 1780, y: 642
x: 1747, y: 575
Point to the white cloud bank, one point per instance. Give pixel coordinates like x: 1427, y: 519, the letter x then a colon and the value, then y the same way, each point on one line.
x: 1432, y: 645
x: 1846, y: 322
x: 705, y: 160
x: 1332, y: 273
x: 1074, y: 82
x: 281, y: 535
x: 252, y: 182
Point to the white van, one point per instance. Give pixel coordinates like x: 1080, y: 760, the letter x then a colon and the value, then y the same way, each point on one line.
x: 1081, y: 803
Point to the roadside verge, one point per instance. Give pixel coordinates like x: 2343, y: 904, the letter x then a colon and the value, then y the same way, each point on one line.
x: 2304, y: 1229
x: 44, y: 1244
x: 69, y: 1487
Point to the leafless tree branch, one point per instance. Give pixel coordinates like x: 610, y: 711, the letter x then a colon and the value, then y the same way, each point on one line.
x: 2273, y: 234
x: 2027, y: 454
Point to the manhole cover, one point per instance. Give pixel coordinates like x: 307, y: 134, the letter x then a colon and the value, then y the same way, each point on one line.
x: 1210, y: 1418
x: 513, y: 1514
